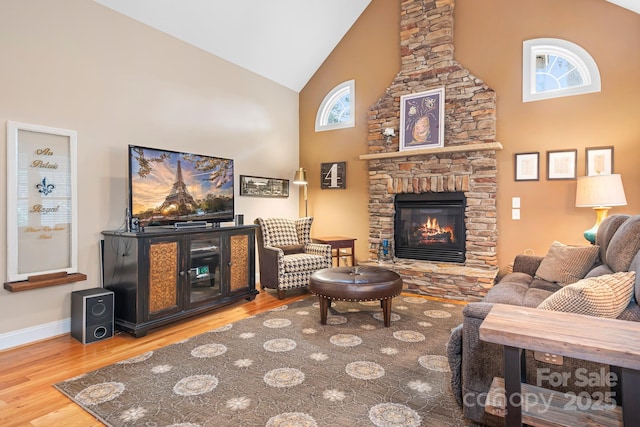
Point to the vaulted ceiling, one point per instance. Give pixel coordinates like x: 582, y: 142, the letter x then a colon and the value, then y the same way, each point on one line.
x: 283, y: 40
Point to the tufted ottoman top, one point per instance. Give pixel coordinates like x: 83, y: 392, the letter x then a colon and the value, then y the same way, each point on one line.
x: 361, y: 283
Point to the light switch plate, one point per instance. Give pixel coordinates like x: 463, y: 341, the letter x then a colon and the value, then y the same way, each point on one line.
x: 515, y: 213
x: 515, y: 202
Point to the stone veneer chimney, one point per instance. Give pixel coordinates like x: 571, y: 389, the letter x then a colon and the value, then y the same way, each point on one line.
x: 467, y: 163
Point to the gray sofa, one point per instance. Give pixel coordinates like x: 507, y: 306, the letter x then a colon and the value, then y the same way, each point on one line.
x: 475, y: 363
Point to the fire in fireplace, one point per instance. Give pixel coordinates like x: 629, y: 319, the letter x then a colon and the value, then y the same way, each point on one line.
x: 430, y: 226
x: 431, y: 232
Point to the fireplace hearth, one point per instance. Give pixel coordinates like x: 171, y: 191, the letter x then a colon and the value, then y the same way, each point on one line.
x: 430, y: 226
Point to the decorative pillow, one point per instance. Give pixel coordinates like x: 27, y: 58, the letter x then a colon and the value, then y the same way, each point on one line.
x: 566, y: 264
x: 624, y: 245
x: 602, y: 296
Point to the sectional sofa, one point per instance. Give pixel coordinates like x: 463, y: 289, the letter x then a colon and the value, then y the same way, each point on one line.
x: 601, y: 280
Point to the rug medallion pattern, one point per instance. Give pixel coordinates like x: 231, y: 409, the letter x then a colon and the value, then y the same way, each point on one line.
x: 283, y: 368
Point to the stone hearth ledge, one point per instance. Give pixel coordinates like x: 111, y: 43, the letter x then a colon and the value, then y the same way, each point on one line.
x: 443, y: 280
x: 425, y: 151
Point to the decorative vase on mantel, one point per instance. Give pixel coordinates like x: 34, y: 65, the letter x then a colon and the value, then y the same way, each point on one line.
x: 389, y: 133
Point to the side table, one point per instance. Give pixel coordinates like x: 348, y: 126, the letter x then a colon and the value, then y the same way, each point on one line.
x: 609, y: 341
x: 340, y: 247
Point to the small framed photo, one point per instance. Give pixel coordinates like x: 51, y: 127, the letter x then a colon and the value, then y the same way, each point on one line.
x: 422, y: 120
x: 257, y: 186
x: 527, y: 166
x: 562, y: 164
x: 599, y: 161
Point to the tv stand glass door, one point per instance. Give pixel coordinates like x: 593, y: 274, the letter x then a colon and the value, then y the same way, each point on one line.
x: 204, y: 269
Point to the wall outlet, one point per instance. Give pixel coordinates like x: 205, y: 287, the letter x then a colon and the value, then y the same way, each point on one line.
x: 553, y: 359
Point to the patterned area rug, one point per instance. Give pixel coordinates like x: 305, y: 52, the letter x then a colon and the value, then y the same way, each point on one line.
x: 283, y: 368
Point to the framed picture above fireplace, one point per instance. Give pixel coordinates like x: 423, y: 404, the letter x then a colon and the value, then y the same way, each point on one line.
x: 422, y: 120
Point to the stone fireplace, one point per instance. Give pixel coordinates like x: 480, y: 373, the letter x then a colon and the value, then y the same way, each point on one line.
x: 465, y: 165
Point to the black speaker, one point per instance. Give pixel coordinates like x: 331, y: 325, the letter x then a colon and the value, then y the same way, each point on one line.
x: 91, y: 315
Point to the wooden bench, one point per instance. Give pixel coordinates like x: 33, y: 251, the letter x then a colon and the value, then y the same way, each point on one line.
x: 608, y: 341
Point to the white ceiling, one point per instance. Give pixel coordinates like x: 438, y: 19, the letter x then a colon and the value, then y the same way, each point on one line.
x: 283, y: 40
x: 633, y: 5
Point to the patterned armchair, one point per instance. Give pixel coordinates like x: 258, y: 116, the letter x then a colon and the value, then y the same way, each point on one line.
x: 287, y: 258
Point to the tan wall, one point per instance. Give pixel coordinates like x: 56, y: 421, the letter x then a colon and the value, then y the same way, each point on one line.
x: 488, y: 42
x: 369, y: 54
x: 77, y: 65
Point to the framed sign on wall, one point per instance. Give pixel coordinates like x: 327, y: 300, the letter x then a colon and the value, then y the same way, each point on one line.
x: 42, y: 208
x: 333, y: 175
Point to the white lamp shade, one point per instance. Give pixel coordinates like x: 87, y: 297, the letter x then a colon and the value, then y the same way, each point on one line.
x: 600, y: 190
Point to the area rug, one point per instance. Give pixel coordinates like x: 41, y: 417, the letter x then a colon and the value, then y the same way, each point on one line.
x: 283, y: 368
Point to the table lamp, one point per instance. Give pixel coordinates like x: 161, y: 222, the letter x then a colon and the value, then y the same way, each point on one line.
x: 599, y: 192
x: 300, y: 178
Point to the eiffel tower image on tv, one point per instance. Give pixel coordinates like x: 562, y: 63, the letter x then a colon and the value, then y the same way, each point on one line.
x: 179, y: 201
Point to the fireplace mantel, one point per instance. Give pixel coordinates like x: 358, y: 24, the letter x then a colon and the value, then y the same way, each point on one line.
x: 423, y: 151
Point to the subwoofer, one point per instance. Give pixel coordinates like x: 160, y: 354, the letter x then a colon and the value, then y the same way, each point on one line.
x: 92, y: 315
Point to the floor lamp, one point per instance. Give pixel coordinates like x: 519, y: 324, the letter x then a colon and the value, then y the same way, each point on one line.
x: 599, y: 192
x: 300, y: 178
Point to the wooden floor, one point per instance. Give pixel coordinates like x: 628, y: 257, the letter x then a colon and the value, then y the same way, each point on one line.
x: 27, y: 373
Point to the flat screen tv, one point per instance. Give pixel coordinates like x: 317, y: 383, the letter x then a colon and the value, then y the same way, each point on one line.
x: 166, y: 187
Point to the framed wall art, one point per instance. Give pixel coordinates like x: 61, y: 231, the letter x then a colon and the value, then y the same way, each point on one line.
x: 527, y: 166
x: 333, y: 175
x: 422, y: 120
x: 42, y: 208
x: 599, y: 161
x: 562, y: 164
x: 257, y: 186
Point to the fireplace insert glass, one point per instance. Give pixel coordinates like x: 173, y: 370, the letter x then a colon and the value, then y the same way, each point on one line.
x: 430, y: 226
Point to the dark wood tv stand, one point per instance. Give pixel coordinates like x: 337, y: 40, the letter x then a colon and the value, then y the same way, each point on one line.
x: 163, y: 275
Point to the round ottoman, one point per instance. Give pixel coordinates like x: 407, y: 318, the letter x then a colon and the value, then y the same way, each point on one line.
x: 360, y: 283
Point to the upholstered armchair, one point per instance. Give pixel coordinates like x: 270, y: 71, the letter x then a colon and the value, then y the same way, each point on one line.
x: 286, y: 255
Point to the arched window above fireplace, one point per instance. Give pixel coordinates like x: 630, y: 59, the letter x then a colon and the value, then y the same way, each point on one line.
x: 336, y: 109
x: 553, y: 68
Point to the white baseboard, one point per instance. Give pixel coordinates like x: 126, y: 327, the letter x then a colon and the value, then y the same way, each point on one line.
x: 41, y: 332
x: 34, y: 333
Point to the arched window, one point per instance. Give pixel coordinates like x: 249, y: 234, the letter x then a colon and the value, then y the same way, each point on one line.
x: 336, y: 109
x: 552, y: 68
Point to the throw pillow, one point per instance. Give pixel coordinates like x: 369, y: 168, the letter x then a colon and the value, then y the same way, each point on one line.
x: 602, y: 296
x: 566, y: 264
